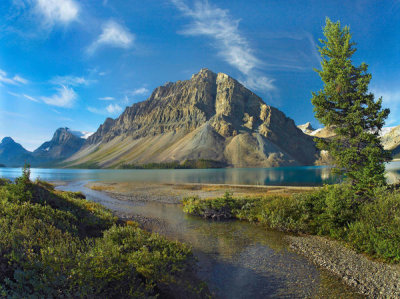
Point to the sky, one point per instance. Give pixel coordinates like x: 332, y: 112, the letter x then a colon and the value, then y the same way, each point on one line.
x: 69, y: 63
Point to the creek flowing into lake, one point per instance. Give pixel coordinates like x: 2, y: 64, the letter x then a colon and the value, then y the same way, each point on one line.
x: 236, y: 259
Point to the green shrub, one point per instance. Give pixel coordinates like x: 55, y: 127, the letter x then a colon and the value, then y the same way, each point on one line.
x: 377, y: 229
x: 57, y: 244
x: 330, y: 210
x: 370, y: 226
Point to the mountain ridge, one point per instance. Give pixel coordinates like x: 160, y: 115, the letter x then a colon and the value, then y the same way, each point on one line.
x: 211, y: 116
x: 63, y: 144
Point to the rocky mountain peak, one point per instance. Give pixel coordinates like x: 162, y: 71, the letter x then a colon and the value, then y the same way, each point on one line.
x: 306, y: 128
x: 7, y: 140
x: 63, y: 144
x: 210, y: 116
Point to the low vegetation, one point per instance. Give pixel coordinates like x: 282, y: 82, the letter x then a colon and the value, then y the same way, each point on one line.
x: 187, y: 164
x: 335, y: 211
x: 59, y: 245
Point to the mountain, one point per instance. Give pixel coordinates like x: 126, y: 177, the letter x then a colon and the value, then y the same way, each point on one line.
x: 13, y: 154
x: 325, y: 132
x: 391, y: 141
x: 81, y: 134
x: 390, y: 136
x: 63, y: 144
x: 306, y: 128
x: 211, y: 116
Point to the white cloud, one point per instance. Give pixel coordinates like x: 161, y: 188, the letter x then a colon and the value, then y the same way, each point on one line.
x: 232, y: 46
x: 24, y: 96
x: 107, y: 99
x: 110, y: 109
x: 391, y: 100
x: 71, y: 80
x: 139, y: 91
x: 113, y: 35
x: 57, y: 11
x: 19, y: 79
x: 14, y: 80
x: 65, y: 97
x: 114, y: 109
x: 259, y: 82
x: 30, y: 98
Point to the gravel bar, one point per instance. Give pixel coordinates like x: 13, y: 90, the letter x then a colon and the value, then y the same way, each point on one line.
x: 371, y: 278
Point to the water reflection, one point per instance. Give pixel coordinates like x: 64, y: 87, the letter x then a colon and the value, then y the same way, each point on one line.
x: 247, y: 176
x: 291, y: 176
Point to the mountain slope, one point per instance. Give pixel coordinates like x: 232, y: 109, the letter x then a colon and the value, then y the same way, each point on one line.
x: 13, y: 154
x: 63, y: 144
x: 211, y: 116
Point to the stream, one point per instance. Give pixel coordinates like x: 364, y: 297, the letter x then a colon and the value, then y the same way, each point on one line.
x: 236, y: 259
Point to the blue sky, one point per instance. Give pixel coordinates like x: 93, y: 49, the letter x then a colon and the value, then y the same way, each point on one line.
x: 74, y: 63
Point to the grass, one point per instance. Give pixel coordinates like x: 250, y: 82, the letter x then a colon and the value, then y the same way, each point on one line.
x: 371, y: 227
x: 57, y: 244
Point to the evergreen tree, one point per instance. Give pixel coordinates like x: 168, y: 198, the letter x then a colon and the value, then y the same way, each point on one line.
x: 346, y: 105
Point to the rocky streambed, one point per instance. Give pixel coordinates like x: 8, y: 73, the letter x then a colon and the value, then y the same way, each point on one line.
x: 372, y: 278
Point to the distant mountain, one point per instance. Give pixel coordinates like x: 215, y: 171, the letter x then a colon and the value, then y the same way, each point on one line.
x: 81, y: 134
x: 325, y: 132
x: 211, y: 116
x: 390, y: 136
x: 13, y: 154
x: 306, y: 128
x: 63, y: 144
x: 391, y: 141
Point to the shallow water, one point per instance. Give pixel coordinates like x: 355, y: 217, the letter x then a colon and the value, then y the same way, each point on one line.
x: 236, y: 259
x: 289, y: 176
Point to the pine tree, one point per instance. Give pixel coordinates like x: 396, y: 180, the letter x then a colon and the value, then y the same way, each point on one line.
x: 346, y: 105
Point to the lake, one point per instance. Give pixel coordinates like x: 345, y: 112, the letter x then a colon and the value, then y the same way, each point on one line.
x: 289, y: 176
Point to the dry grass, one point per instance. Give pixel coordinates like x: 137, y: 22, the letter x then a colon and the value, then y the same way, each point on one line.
x: 201, y: 190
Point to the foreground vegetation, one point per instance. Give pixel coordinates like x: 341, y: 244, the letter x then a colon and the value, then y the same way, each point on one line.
x: 335, y: 211
x: 57, y: 244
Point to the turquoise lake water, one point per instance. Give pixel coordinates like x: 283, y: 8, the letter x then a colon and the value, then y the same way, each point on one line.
x: 290, y: 176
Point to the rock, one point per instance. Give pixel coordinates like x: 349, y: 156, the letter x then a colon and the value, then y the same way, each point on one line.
x: 306, y: 128
x: 211, y: 116
x: 63, y: 144
x: 13, y: 154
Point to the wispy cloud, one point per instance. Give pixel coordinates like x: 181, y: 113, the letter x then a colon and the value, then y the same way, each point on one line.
x: 65, y: 97
x: 138, y: 91
x: 114, y: 109
x: 71, y: 80
x: 57, y: 11
x: 11, y: 80
x: 233, y: 47
x: 24, y: 96
x: 110, y: 109
x: 30, y: 98
x: 391, y: 100
x: 114, y: 35
x: 107, y: 99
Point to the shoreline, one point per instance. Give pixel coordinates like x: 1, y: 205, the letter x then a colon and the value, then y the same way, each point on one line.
x: 369, y: 277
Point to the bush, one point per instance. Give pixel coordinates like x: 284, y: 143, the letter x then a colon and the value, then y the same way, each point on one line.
x: 372, y: 227
x: 329, y: 210
x: 377, y: 229
x: 57, y: 244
